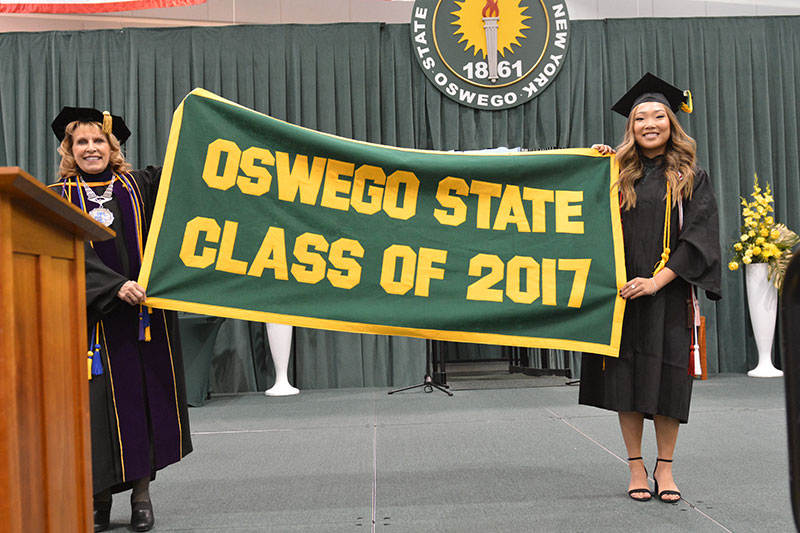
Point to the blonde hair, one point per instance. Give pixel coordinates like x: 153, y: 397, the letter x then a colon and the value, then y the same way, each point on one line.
x: 69, y: 167
x: 680, y: 156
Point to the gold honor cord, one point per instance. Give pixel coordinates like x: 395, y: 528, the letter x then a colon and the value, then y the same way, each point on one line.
x: 665, y: 253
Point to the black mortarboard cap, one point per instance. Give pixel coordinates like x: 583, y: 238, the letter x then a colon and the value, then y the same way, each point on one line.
x: 653, y: 89
x: 111, y: 123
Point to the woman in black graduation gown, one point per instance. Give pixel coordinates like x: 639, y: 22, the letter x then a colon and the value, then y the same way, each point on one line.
x: 671, y: 236
x: 139, y: 416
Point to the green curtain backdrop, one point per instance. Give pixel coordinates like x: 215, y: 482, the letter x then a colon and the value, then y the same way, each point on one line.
x: 361, y: 81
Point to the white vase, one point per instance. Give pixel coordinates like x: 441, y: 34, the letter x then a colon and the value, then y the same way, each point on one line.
x: 762, y: 301
x: 280, y: 344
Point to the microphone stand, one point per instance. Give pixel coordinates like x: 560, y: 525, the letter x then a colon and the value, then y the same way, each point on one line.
x: 428, y: 383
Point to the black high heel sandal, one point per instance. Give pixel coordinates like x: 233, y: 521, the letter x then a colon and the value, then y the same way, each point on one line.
x: 665, y: 492
x: 640, y: 491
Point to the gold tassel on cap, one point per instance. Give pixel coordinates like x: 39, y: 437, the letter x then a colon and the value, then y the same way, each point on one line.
x: 107, y: 122
x: 687, y: 106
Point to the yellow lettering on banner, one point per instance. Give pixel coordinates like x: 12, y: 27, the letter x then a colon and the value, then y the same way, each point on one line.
x: 211, y: 168
x: 311, y: 268
x: 426, y: 271
x: 538, y: 199
x: 225, y: 261
x: 482, y: 289
x: 581, y: 268
x: 459, y: 214
x: 298, y: 178
x: 511, y: 211
x: 397, y: 194
x: 348, y: 274
x: 309, y: 250
x: 392, y: 194
x: 272, y: 255
x: 257, y: 179
x: 516, y: 266
x: 408, y: 259
x: 334, y: 185
x: 565, y: 210
x: 485, y: 191
x: 363, y: 174
x: 191, y: 236
x: 549, y: 282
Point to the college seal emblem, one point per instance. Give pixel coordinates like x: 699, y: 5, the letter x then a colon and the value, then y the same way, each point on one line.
x: 490, y: 54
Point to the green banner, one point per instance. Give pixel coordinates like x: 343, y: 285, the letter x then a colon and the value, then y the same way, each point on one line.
x: 262, y: 220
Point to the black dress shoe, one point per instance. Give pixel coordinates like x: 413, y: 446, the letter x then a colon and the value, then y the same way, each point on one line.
x: 102, y: 515
x: 142, y: 518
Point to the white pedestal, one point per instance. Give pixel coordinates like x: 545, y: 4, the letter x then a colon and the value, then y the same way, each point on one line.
x: 280, y: 344
x: 762, y: 301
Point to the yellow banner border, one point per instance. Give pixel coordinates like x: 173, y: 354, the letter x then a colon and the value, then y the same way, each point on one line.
x: 161, y: 197
x: 619, y: 257
x: 378, y: 329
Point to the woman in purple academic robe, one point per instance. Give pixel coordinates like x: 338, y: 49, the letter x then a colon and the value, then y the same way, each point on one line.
x: 139, y: 415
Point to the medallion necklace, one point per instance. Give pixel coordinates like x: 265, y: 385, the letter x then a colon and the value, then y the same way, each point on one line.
x: 100, y: 214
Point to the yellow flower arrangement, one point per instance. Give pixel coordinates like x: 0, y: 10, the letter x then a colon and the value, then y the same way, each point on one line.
x: 762, y: 240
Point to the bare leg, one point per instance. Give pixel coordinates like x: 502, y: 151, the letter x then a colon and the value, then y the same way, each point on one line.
x: 280, y: 344
x: 666, y: 437
x: 631, y: 423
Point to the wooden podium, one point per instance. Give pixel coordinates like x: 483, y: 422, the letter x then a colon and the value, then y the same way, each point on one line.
x: 45, y: 454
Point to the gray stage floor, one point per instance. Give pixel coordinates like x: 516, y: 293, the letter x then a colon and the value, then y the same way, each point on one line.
x: 525, y: 459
